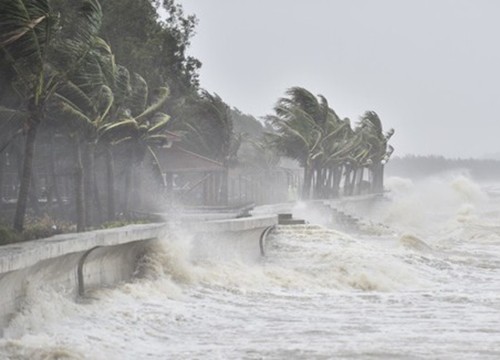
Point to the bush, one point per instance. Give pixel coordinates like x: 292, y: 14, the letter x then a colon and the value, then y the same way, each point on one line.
x: 43, y: 227
x: 39, y: 228
x: 8, y: 236
x: 120, y: 223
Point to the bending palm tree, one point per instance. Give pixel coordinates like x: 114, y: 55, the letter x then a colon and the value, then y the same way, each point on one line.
x: 303, y: 125
x: 40, y: 53
x: 208, y: 128
x: 141, y: 129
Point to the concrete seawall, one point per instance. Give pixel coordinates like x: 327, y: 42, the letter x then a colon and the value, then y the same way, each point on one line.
x: 74, y: 263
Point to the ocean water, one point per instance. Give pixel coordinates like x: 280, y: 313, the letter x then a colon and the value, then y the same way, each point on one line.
x: 418, y: 279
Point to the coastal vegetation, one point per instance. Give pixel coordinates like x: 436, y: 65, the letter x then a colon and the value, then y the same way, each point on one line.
x: 95, y: 96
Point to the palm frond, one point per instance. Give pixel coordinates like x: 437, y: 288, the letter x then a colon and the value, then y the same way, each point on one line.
x: 162, y: 95
x: 119, y: 130
x: 160, y: 122
x: 138, y: 97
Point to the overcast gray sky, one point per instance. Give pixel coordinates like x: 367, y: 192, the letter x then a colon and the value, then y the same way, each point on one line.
x: 429, y: 68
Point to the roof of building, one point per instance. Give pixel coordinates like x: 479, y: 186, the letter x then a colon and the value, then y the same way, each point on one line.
x: 177, y: 159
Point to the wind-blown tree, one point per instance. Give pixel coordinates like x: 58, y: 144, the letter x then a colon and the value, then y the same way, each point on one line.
x: 152, y: 45
x: 337, y: 146
x: 39, y: 52
x: 309, y: 131
x: 140, y: 130
x: 303, y: 123
x: 207, y: 125
x: 377, y: 150
x: 80, y: 108
x: 370, y: 151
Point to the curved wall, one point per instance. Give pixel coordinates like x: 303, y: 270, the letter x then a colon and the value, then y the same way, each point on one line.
x: 74, y: 263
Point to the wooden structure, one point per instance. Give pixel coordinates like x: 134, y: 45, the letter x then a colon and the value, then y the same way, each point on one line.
x: 192, y: 178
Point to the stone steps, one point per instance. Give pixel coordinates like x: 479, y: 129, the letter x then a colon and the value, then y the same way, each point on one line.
x: 287, y: 219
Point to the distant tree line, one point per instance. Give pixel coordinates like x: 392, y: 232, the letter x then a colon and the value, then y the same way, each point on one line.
x: 415, y: 167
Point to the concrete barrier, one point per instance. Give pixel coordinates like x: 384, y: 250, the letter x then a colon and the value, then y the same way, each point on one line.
x: 74, y: 263
x: 65, y: 262
x: 230, y: 239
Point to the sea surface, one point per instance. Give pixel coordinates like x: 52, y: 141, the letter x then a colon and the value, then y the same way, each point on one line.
x: 418, y: 278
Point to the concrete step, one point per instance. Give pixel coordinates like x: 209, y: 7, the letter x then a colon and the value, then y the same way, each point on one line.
x: 284, y: 217
x: 291, y: 222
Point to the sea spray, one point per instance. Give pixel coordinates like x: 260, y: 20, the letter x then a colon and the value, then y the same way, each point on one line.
x: 430, y: 291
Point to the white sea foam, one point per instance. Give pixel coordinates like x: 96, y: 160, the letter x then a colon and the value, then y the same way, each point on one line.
x: 427, y: 290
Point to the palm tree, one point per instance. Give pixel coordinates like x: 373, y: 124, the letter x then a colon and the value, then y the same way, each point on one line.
x: 377, y: 150
x: 208, y: 127
x: 81, y: 114
x: 40, y: 53
x: 370, y: 151
x: 140, y: 130
x: 304, y: 124
x: 309, y: 131
x: 81, y: 106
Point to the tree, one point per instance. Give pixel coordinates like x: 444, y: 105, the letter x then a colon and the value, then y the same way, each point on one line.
x: 153, y: 46
x: 302, y: 122
x: 377, y: 150
x: 139, y: 130
x: 207, y: 125
x: 308, y: 130
x: 39, y: 52
x: 80, y: 107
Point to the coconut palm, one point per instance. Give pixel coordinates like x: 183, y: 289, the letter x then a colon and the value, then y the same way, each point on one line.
x: 139, y: 130
x: 40, y: 52
x: 309, y: 131
x: 304, y: 125
x: 369, y: 152
x: 207, y: 125
x: 377, y: 151
x: 79, y: 108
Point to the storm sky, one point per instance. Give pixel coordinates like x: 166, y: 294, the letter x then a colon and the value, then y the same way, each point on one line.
x: 429, y: 68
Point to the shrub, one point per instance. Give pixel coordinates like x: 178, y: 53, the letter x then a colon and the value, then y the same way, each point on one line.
x: 120, y: 223
x: 8, y: 235
x: 39, y: 228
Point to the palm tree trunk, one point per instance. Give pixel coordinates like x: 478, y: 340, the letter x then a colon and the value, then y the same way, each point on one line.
x: 88, y: 186
x: 33, y: 197
x: 352, y: 181
x: 330, y: 183
x: 79, y: 188
x: 337, y: 178
x: 318, y: 184
x: 378, y: 178
x: 359, y: 181
x: 306, y: 185
x: 224, y: 194
x: 27, y: 170
x: 2, y: 170
x: 97, y: 203
x: 110, y: 183
x: 347, y: 181
x: 128, y: 178
x: 53, y: 177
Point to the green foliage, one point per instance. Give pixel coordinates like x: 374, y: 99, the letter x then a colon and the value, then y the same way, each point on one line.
x: 120, y: 223
x: 207, y: 124
x: 35, y: 228
x: 246, y: 124
x: 306, y: 129
x: 153, y: 47
x: 8, y: 235
x: 45, y: 226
